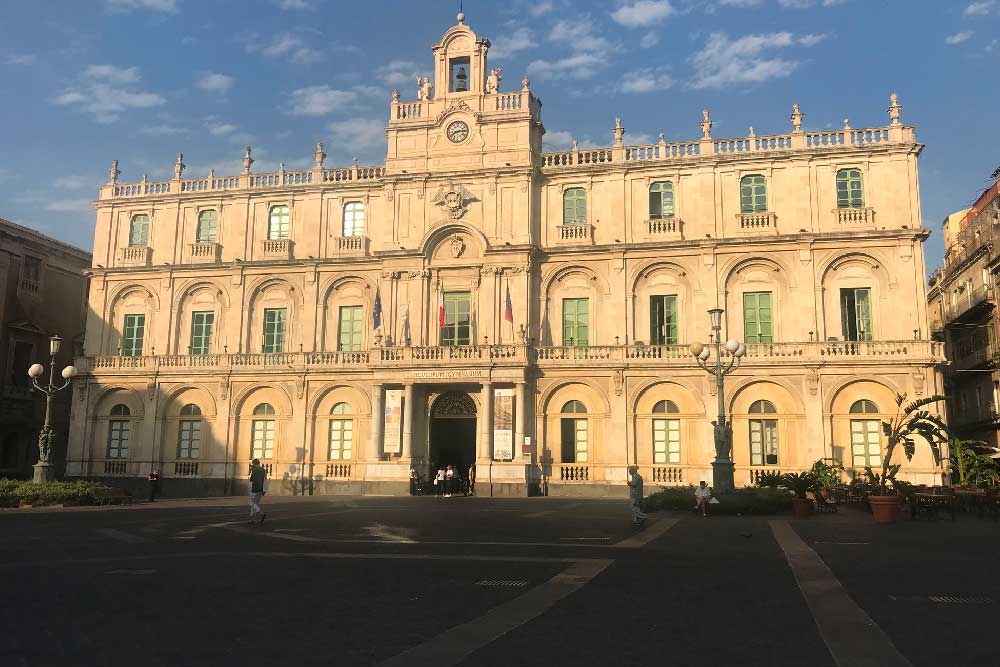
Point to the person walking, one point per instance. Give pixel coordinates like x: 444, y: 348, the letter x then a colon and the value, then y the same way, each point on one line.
x: 702, y: 497
x: 258, y: 488
x: 154, y: 484
x: 634, y: 482
x: 449, y: 482
x: 439, y: 482
x: 472, y: 479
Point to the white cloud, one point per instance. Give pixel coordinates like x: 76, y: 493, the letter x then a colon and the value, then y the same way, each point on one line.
x: 320, y: 100
x: 649, y: 40
x: 126, y: 6
x: 102, y: 92
x: 812, y: 39
x: 163, y: 130
x: 221, y: 130
x: 399, y: 73
x: 284, y: 45
x: 991, y: 47
x: 723, y: 61
x: 642, y: 13
x: 581, y: 35
x: 806, y: 4
x: 68, y: 205
x: 742, y: 3
x: 979, y: 8
x: 561, y: 140
x: 959, y: 37
x: 579, y: 66
x: 358, y: 134
x: 293, y: 5
x: 72, y: 182
x: 537, y: 9
x: 213, y: 82
x: 646, y: 80
x: 20, y: 59
x: 519, y: 40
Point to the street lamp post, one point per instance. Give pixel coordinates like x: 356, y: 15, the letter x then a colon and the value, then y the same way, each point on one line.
x: 722, y: 466
x: 43, y: 469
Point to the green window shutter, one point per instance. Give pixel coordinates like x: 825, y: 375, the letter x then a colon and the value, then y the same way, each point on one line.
x: 757, y: 317
x: 457, y: 319
x: 567, y: 440
x: 850, y: 189
x: 655, y: 208
x: 138, y: 233
x: 349, y: 329
x: 576, y: 322
x: 133, y: 334
x: 202, y: 323
x: 862, y: 298
x: 663, y: 319
x: 206, y: 232
x: 274, y: 330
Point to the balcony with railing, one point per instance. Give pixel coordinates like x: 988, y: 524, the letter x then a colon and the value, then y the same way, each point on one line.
x: 135, y: 256
x: 499, y: 103
x: 351, y: 245
x: 277, y: 248
x: 967, y: 303
x: 575, y: 233
x: 204, y: 252
x: 757, y: 223
x: 665, y: 229
x: 854, y: 217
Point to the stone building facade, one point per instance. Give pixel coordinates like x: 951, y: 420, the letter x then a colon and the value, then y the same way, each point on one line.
x: 962, y: 300
x: 43, y: 292
x: 476, y: 299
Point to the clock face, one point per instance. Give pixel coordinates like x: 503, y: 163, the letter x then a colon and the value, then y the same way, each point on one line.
x: 458, y: 131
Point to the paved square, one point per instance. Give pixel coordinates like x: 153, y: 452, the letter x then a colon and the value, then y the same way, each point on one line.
x: 481, y: 581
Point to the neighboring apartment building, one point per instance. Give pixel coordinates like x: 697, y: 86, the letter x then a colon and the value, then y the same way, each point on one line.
x: 478, y: 300
x: 962, y: 300
x: 43, y: 292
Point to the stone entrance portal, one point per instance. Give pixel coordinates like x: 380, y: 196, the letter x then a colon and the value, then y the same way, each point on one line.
x: 453, y: 432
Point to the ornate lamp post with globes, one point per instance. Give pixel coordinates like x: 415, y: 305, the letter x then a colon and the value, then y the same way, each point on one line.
x: 43, y: 469
x: 722, y: 466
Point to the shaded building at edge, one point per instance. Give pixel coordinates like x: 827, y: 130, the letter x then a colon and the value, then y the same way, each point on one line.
x: 962, y: 299
x: 533, y: 308
x: 43, y: 292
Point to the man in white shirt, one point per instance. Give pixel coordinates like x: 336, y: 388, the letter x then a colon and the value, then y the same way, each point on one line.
x: 702, y: 496
x: 634, y: 482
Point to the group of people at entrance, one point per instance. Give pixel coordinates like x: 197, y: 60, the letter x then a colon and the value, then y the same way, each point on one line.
x: 448, y: 482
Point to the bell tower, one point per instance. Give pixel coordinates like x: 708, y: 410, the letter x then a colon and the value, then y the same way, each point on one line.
x: 460, y: 62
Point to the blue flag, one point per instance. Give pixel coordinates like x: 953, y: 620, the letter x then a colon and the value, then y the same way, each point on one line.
x: 377, y: 311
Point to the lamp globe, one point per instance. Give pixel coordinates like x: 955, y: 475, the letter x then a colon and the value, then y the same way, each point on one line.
x: 69, y: 372
x: 696, y: 348
x: 705, y: 354
x: 732, y: 345
x: 35, y: 371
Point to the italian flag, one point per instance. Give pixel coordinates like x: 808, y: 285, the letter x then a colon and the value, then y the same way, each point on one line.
x: 440, y: 306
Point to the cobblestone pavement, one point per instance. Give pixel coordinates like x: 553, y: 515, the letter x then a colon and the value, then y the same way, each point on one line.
x: 489, y: 581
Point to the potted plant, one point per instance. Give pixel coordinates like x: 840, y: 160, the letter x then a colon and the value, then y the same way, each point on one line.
x: 971, y: 461
x: 769, y: 479
x: 827, y: 473
x: 800, y: 483
x: 910, y: 421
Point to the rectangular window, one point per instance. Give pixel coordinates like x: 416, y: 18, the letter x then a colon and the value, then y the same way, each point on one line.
x: 866, y: 443
x: 189, y: 439
x: 118, y: 432
x: 458, y: 75
x: 666, y: 441
x: 32, y: 268
x: 341, y: 438
x: 138, y: 231
x: 574, y: 440
x: 856, y: 313
x: 349, y: 329
x: 134, y: 330
x: 262, y: 439
x: 663, y: 320
x: 850, y: 193
x: 763, y: 442
x: 576, y: 322
x: 274, y: 330
x: 757, y: 323
x: 457, y: 323
x: 23, y: 351
x: 753, y: 194
x: 201, y: 331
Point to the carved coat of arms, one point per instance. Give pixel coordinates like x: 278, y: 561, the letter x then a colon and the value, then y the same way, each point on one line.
x: 455, y: 199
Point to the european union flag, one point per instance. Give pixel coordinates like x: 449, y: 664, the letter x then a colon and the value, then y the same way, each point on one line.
x: 377, y: 311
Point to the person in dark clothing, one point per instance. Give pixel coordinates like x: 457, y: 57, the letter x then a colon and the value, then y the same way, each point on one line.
x: 154, y: 484
x: 258, y: 488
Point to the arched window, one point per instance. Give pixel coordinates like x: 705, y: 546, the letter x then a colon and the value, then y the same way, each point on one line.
x: 866, y: 436
x: 262, y: 432
x: 574, y: 436
x: 341, y: 432
x: 763, y: 435
x: 206, y: 227
x: 850, y: 189
x: 354, y: 219
x: 661, y: 200
x: 574, y: 407
x: 753, y: 194
x: 575, y: 206
x: 118, y: 432
x: 277, y: 224
x: 138, y: 231
x: 189, y: 432
x: 865, y: 407
x: 666, y: 434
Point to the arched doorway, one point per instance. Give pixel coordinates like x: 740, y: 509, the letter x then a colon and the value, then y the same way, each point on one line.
x: 453, y: 432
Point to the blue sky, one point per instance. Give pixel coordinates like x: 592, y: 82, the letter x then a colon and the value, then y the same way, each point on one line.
x: 86, y: 81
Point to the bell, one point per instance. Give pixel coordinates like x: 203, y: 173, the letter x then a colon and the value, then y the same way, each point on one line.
x: 461, y: 81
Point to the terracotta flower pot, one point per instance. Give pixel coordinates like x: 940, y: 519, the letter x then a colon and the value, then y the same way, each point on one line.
x: 884, y: 508
x: 802, y: 508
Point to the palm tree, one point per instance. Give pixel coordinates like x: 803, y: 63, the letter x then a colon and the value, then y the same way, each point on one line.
x: 910, y: 420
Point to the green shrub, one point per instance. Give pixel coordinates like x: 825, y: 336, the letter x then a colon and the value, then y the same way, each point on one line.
x: 743, y: 501
x: 15, y: 492
x: 799, y: 483
x: 769, y: 479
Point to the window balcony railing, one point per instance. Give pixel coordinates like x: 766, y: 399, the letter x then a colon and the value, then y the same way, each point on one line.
x: 761, y: 222
x: 30, y: 287
x: 204, y: 251
x: 135, y: 256
x: 855, y: 217
x: 576, y: 233
x: 338, y: 470
x: 574, y: 473
x: 352, y: 245
x: 186, y: 469
x: 665, y: 229
x: 967, y: 299
x: 277, y: 248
